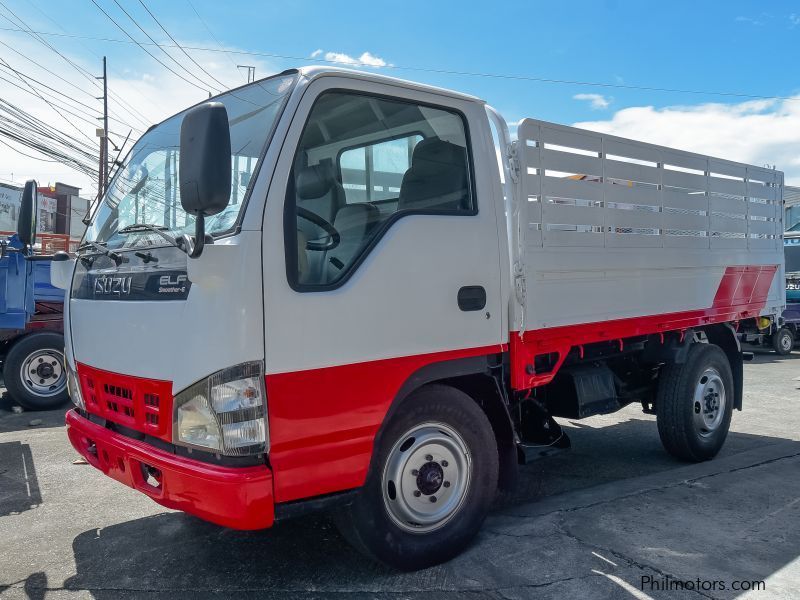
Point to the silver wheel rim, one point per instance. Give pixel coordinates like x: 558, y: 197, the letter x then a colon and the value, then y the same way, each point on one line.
x: 426, y: 477
x: 786, y: 342
x: 708, y: 404
x: 42, y: 373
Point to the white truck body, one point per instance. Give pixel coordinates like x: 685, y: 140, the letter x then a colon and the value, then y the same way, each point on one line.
x: 438, y: 265
x: 647, y: 230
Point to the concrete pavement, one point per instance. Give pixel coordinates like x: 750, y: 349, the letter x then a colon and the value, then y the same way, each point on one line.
x: 614, y: 518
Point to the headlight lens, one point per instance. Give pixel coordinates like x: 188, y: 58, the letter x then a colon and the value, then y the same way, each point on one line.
x: 225, y: 413
x: 74, y: 389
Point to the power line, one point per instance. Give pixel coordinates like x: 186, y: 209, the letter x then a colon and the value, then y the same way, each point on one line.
x: 89, y: 76
x: 18, y: 151
x: 24, y: 125
x: 20, y: 75
x: 59, y: 98
x: 142, y: 46
x: 208, y: 29
x: 189, y: 56
x: 180, y: 65
x: 50, y: 104
x: 56, y: 75
x: 131, y: 110
x: 396, y: 67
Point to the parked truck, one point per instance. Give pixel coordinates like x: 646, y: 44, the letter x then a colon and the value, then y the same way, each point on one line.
x: 385, y: 314
x: 31, y: 324
x: 783, y: 333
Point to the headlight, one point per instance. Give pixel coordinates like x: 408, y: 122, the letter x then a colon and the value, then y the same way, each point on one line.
x: 225, y: 413
x: 74, y: 388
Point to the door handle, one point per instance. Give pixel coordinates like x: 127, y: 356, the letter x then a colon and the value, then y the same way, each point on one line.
x: 471, y: 297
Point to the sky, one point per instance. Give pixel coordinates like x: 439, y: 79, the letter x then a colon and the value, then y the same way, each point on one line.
x: 711, y: 77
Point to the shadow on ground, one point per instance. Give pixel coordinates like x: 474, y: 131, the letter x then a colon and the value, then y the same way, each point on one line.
x: 11, y: 421
x: 179, y: 555
x: 19, y: 486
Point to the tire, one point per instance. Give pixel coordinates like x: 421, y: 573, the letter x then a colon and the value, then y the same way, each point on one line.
x: 37, y: 351
x: 783, y: 341
x: 694, y: 404
x: 409, y: 514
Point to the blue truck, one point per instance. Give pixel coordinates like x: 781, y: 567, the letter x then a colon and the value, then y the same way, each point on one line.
x: 31, y: 317
x: 783, y: 334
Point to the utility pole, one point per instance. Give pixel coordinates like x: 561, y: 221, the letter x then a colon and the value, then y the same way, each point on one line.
x: 102, y: 176
x: 251, y: 72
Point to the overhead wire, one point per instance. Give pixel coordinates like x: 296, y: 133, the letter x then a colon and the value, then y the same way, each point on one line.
x: 172, y: 58
x: 58, y: 99
x: 142, y: 46
x: 131, y: 110
x: 51, y: 105
x: 516, y: 77
x: 27, y: 29
x: 189, y: 56
x: 211, y: 33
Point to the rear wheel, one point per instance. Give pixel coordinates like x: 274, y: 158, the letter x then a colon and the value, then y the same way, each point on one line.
x: 432, y: 480
x: 783, y: 341
x: 34, y: 371
x: 694, y: 404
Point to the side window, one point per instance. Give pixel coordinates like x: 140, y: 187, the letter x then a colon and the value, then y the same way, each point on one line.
x: 375, y: 172
x: 363, y: 162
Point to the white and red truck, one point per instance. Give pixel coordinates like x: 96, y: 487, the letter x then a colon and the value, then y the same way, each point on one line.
x: 333, y: 290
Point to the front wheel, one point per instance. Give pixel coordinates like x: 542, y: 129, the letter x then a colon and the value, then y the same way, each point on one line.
x: 432, y: 480
x: 783, y: 341
x: 694, y: 404
x: 34, y: 371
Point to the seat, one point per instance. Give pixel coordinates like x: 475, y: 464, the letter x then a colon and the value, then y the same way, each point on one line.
x: 318, y: 191
x: 437, y: 179
x: 355, y: 223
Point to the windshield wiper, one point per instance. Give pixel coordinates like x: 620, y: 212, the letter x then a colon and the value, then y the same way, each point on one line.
x: 158, y: 229
x: 117, y: 258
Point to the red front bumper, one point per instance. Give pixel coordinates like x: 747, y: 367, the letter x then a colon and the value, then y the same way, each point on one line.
x: 240, y: 498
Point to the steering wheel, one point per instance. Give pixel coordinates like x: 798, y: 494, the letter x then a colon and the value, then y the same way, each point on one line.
x: 333, y: 235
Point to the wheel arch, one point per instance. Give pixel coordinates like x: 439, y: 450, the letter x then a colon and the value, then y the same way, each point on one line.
x: 475, y: 376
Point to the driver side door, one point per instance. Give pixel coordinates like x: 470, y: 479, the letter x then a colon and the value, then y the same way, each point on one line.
x: 376, y: 222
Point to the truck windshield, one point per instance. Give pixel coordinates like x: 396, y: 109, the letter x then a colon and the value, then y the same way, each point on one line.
x: 145, y: 191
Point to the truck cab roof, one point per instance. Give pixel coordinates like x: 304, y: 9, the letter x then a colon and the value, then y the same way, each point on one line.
x: 316, y: 71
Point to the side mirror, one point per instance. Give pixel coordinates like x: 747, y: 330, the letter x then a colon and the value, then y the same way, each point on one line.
x: 204, y: 169
x: 61, y: 269
x: 26, y: 224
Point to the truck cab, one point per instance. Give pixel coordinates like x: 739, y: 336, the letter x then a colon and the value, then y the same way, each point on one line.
x: 320, y: 291
x: 31, y: 324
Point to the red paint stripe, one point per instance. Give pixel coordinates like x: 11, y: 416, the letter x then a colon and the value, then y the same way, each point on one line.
x: 323, y: 421
x: 742, y: 293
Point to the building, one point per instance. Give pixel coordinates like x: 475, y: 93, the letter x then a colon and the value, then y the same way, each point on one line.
x: 61, y: 210
x: 791, y: 196
x: 9, y: 207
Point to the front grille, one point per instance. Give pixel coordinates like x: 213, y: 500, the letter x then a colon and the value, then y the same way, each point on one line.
x: 140, y: 404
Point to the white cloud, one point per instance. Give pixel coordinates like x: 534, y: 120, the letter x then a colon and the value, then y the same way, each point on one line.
x: 751, y: 20
x: 757, y: 132
x: 596, y: 101
x: 794, y: 19
x: 366, y: 59
x: 316, y: 53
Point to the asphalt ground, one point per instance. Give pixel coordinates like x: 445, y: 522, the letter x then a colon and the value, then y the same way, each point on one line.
x: 615, y: 517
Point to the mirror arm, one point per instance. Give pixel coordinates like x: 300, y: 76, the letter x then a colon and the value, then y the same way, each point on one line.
x: 194, y: 246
